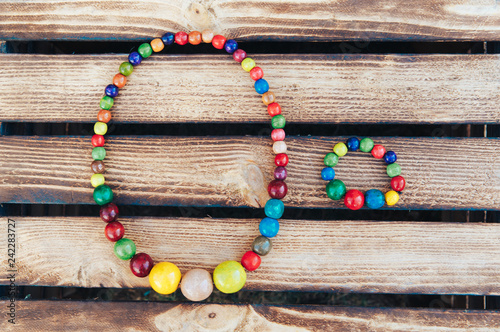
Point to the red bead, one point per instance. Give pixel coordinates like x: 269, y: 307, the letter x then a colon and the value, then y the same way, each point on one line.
x: 114, y: 231
x: 97, y: 140
x: 109, y: 212
x: 281, y: 159
x: 181, y: 38
x: 274, y: 109
x: 278, y: 134
x: 398, y: 183
x: 218, y: 42
x: 354, y: 199
x: 250, y: 261
x: 277, y: 189
x: 141, y: 264
x: 256, y: 73
x: 239, y: 55
x: 378, y: 151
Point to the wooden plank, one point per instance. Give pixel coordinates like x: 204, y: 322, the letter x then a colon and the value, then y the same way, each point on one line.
x: 204, y: 88
x: 253, y: 20
x: 347, y: 256
x: 161, y: 316
x: 442, y: 173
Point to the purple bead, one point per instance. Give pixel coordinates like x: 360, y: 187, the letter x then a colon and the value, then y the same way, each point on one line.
x: 134, y: 58
x: 168, y: 38
x: 111, y: 91
x: 231, y: 46
x: 280, y: 173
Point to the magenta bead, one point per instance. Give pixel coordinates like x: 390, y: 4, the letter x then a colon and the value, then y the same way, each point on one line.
x: 280, y: 173
x: 278, y: 134
x: 239, y: 55
x: 109, y: 212
x: 141, y: 264
x: 277, y: 189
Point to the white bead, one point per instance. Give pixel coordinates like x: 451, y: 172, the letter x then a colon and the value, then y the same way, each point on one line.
x: 279, y: 147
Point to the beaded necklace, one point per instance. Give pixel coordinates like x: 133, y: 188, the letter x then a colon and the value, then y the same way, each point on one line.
x: 164, y: 277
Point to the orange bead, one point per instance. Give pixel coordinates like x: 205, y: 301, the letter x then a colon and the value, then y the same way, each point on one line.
x: 194, y: 37
x: 207, y: 36
x: 119, y: 80
x: 157, y: 45
x: 104, y: 116
x: 268, y: 98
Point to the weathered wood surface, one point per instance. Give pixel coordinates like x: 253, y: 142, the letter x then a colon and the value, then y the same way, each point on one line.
x: 204, y: 88
x: 157, y: 316
x: 254, y: 20
x: 347, y: 256
x: 460, y: 173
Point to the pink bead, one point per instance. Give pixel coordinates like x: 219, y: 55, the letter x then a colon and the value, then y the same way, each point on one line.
x: 197, y: 285
x: 278, y: 134
x: 239, y: 55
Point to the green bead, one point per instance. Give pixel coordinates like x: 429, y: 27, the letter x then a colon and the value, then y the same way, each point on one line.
x: 393, y: 170
x: 229, y: 277
x: 145, y: 50
x: 124, y: 249
x: 106, y: 102
x: 103, y: 195
x: 335, y: 189
x: 98, y: 153
x: 278, y: 121
x: 331, y: 159
x: 366, y: 144
x: 126, y: 68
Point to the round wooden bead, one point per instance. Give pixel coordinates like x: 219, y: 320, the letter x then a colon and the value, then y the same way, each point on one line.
x: 250, y: 261
x: 247, y: 64
x: 331, y: 159
x: 134, y: 58
x: 141, y: 264
x: 268, y: 97
x: 97, y: 166
x: 144, y: 50
x: 335, y: 189
x: 194, y: 37
x: 393, y: 170
x: 398, y: 183
x: 104, y: 116
x: 366, y: 144
x: 109, y: 212
x: 278, y: 121
x: 274, y: 109
x: 106, y: 103
x: 126, y: 69
x: 281, y: 159
x: 354, y: 199
x: 239, y: 55
x: 262, y: 245
x: 230, y: 46
x: 374, y: 199
x: 261, y: 86
x: 278, y: 134
x: 277, y: 189
x: 218, y: 42
x: 340, y: 149
x: 269, y: 227
x: 98, y: 153
x: 157, y: 45
x: 168, y: 38
x: 229, y: 277
x: 103, y: 195
x: 97, y: 140
x: 256, y: 73
x: 100, y: 128
x: 197, y: 285
x: 181, y: 38
x: 280, y: 173
x: 207, y: 36
x: 164, y: 278
x: 328, y: 174
x: 274, y: 208
x: 124, y: 249
x: 378, y: 151
x: 390, y: 157
x: 119, y: 80
x: 279, y: 147
x: 96, y: 180
x: 391, y: 197
x: 114, y: 231
x: 111, y: 90
x: 352, y: 144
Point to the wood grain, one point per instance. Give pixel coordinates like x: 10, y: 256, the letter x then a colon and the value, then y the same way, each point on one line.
x: 157, y: 316
x: 320, y: 88
x: 347, y: 256
x: 253, y: 20
x: 234, y: 171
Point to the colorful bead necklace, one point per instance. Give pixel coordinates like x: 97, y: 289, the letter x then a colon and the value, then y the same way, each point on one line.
x: 164, y: 277
x: 373, y: 198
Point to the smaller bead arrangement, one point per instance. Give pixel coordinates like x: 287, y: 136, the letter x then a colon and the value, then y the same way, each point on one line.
x: 355, y: 199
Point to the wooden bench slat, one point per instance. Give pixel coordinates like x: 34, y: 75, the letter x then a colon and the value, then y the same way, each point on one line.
x: 253, y: 20
x: 161, y: 316
x: 458, y: 173
x: 202, y: 88
x: 347, y: 256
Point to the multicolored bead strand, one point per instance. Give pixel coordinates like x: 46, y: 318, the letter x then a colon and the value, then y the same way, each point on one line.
x: 164, y: 277
x: 355, y: 199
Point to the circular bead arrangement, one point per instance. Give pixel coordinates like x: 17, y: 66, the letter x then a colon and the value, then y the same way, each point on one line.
x: 164, y: 277
x: 355, y: 199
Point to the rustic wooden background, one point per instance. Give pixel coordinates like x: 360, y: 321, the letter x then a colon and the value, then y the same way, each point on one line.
x: 189, y: 156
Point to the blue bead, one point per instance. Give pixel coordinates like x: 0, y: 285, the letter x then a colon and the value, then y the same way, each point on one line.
x: 261, y: 86
x: 374, y: 199
x: 269, y: 227
x: 134, y: 58
x: 352, y: 144
x: 168, y: 38
x: 274, y: 208
x: 111, y: 91
x: 390, y: 157
x: 231, y: 46
x: 327, y: 173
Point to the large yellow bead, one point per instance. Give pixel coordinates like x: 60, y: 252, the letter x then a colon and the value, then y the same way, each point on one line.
x: 340, y: 149
x: 229, y: 277
x: 247, y: 64
x: 391, y: 197
x: 100, y: 128
x: 164, y: 278
x: 97, y: 179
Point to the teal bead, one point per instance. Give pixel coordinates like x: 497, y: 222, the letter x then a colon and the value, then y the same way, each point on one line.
x: 278, y: 121
x: 98, y: 153
x: 126, y: 68
x: 106, y: 102
x: 103, y: 194
x: 274, y: 208
x: 331, y: 159
x: 335, y: 189
x: 124, y: 249
x: 145, y: 50
x: 366, y: 144
x: 393, y: 170
x: 374, y: 199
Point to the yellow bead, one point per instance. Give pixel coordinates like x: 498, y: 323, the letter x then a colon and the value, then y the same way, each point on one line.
x: 229, y: 277
x: 391, y: 197
x: 340, y: 149
x: 247, y: 64
x: 164, y: 278
x: 100, y: 128
x: 97, y: 179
